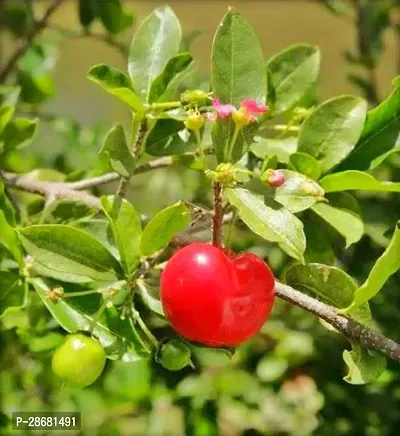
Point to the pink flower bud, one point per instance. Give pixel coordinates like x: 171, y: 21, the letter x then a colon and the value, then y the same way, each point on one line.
x: 275, y: 179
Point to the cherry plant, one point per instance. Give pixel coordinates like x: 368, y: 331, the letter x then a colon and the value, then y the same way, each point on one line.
x: 275, y: 164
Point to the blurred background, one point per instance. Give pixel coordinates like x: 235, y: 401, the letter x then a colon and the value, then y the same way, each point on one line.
x: 288, y: 380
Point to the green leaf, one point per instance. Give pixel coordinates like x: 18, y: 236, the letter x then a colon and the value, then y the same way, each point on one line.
x: 150, y: 297
x: 305, y: 164
x: 341, y: 214
x: 6, y: 206
x: 116, y: 83
x: 269, y: 220
x: 155, y: 42
x: 168, y: 137
x: 87, y: 12
x: 9, y: 95
x: 319, y: 248
x: 118, y: 153
x: 174, y: 66
x: 6, y: 113
x: 356, y: 180
x: 125, y: 344
x: 174, y: 88
x: 163, y: 227
x: 12, y: 292
x: 18, y: 133
x: 114, y: 18
x: 386, y: 265
x: 9, y: 239
x: 68, y: 250
x: 332, y: 130
x: 380, y: 133
x: 127, y: 232
x: 293, y: 72
x: 364, y: 366
x: 100, y: 230
x: 281, y: 148
x: 299, y: 192
x: 237, y: 73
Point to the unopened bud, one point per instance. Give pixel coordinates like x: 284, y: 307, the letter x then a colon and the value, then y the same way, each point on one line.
x: 195, y: 96
x: 195, y: 121
x: 55, y: 295
x: 226, y: 174
x: 273, y: 178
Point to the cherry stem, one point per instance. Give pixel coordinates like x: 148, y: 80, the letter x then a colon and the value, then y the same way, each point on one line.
x: 218, y: 215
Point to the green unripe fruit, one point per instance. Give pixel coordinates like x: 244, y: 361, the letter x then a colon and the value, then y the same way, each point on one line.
x: 195, y: 96
x: 79, y: 361
x: 174, y: 355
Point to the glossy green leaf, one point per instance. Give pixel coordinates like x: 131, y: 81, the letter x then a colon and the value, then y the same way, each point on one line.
x: 12, y: 292
x: 18, y: 133
x: 305, y: 164
x: 293, y: 72
x: 119, y: 341
x: 270, y: 220
x: 127, y: 232
x: 101, y: 231
x: 116, y: 149
x: 237, y: 73
x: 174, y: 66
x: 87, y: 12
x: 163, y: 227
x: 386, y: 265
x: 155, y: 42
x: 364, y: 366
x: 281, y: 148
x: 168, y: 137
x: 6, y: 113
x: 150, y: 297
x: 379, y: 135
x: 113, y: 16
x: 9, y: 239
x: 174, y: 88
x: 356, y: 180
x: 299, y: 192
x: 69, y: 250
x: 116, y: 83
x: 333, y: 129
x: 341, y: 214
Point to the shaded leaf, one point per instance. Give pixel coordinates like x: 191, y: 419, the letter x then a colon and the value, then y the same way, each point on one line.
x: 155, y: 42
x: 69, y: 250
x: 113, y: 16
x: 6, y: 113
x: 364, y: 366
x: 118, y: 153
x: 18, y: 133
x: 293, y: 71
x: 281, y: 148
x: 150, y: 297
x: 127, y: 231
x: 269, y: 220
x: 305, y: 164
x: 163, y: 227
x: 356, y: 180
x: 319, y: 248
x: 9, y: 239
x: 116, y: 83
x: 333, y: 129
x: 87, y: 12
x: 6, y: 206
x: 168, y: 137
x: 12, y: 292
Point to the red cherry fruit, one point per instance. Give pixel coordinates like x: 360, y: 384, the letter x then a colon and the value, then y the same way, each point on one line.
x: 212, y: 298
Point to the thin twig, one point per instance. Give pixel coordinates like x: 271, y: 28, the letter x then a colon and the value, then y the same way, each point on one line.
x: 37, y: 27
x: 218, y: 215
x: 352, y: 329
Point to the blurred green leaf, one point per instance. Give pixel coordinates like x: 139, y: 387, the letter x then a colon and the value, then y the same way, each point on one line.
x: 174, y: 66
x: 13, y: 292
x: 15, y: 17
x: 113, y: 15
x: 335, y: 6
x: 364, y: 366
x: 87, y: 12
x: 293, y: 71
x: 116, y: 83
x: 18, y: 133
x: 163, y: 227
x: 128, y: 347
x: 155, y: 42
x: 271, y: 368
x: 46, y: 342
x: 9, y: 239
x: 305, y: 164
x: 68, y: 250
x: 9, y: 95
x: 332, y: 130
x: 379, y: 135
x: 116, y: 149
x: 237, y: 73
x: 127, y: 231
x: 6, y: 113
x: 342, y: 216
x: 386, y: 265
x: 168, y: 137
x: 269, y: 220
x: 356, y: 180
x: 281, y: 148
x: 319, y: 248
x: 6, y: 207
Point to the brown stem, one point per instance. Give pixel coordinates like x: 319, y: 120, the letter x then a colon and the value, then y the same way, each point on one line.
x: 37, y: 27
x: 218, y: 215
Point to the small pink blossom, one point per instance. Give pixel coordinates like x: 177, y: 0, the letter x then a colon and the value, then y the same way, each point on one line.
x: 252, y: 107
x: 276, y: 179
x: 223, y: 110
